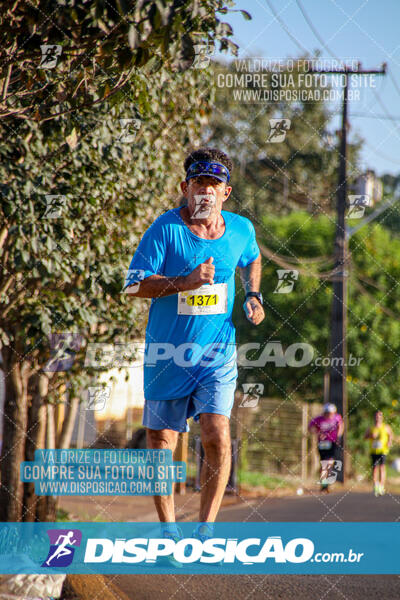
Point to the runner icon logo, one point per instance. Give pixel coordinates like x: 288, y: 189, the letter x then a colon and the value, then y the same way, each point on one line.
x: 202, y: 55
x: 333, y: 471
x: 251, y: 394
x: 133, y: 279
x: 204, y: 205
x: 63, y: 348
x: 278, y: 131
x: 61, y: 551
x: 50, y: 55
x: 357, y: 206
x: 54, y: 206
x: 97, y: 397
x: 287, y: 278
x: 129, y: 130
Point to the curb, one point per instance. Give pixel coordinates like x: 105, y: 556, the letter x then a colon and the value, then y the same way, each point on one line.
x: 95, y: 587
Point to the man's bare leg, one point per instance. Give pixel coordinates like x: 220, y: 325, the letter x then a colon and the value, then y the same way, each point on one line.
x: 383, y: 475
x: 162, y: 439
x: 216, y: 440
x: 326, y: 468
x: 375, y: 474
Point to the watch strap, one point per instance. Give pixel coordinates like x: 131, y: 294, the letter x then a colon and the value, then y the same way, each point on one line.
x: 257, y: 295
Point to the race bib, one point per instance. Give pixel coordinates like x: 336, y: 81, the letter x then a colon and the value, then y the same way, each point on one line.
x: 325, y: 445
x: 377, y: 444
x: 206, y: 300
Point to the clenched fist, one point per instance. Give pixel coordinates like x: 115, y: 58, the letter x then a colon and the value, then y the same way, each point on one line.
x: 202, y: 274
x: 254, y: 311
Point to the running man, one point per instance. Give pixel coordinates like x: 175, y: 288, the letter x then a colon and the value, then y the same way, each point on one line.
x: 62, y: 542
x: 186, y: 263
x: 380, y: 437
x: 329, y: 429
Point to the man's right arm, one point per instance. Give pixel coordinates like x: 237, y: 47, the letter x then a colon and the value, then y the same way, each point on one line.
x: 158, y: 286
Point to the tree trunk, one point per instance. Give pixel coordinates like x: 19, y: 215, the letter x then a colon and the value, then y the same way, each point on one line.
x: 14, y: 434
x: 47, y: 505
x: 38, y: 387
x: 71, y: 408
x: 41, y: 433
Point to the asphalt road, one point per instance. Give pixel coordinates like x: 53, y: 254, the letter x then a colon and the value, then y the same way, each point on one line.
x: 344, y: 506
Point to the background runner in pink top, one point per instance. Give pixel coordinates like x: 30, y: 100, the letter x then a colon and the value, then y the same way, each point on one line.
x: 327, y: 426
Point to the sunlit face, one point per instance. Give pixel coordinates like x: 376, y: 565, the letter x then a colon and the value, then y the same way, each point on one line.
x: 205, y: 195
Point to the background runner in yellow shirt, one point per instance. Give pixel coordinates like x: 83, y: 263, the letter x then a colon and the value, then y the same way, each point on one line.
x: 380, y: 438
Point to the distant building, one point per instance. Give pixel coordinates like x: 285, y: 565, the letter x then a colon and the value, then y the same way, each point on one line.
x: 113, y: 421
x: 368, y: 184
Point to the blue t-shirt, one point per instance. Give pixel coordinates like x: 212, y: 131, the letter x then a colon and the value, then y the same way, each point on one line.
x: 181, y: 349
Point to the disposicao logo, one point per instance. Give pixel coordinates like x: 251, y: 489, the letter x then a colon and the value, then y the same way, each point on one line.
x: 62, y: 542
x: 189, y: 550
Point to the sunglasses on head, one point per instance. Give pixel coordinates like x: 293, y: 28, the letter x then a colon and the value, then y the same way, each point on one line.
x: 213, y: 169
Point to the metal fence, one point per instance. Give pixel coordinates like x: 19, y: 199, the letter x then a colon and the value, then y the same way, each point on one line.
x: 270, y: 439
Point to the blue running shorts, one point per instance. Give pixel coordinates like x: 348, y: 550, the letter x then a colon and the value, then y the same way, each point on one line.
x: 213, y: 394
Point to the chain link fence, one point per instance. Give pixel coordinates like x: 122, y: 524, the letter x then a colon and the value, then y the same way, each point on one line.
x: 269, y: 440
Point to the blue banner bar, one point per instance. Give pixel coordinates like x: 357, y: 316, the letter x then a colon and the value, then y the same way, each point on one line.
x: 236, y: 548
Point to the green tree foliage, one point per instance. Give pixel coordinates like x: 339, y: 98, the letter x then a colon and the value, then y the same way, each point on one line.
x: 390, y: 218
x: 66, y: 272
x: 301, y: 171
x: 64, y: 135
x: 303, y: 315
x: 102, y: 47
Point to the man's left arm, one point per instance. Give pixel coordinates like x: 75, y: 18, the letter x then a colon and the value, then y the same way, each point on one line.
x: 251, y: 278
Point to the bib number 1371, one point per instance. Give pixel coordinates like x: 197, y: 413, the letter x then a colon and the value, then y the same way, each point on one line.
x: 202, y: 300
x: 206, y: 300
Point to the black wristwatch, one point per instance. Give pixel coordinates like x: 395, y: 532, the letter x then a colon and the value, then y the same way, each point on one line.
x: 257, y: 295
